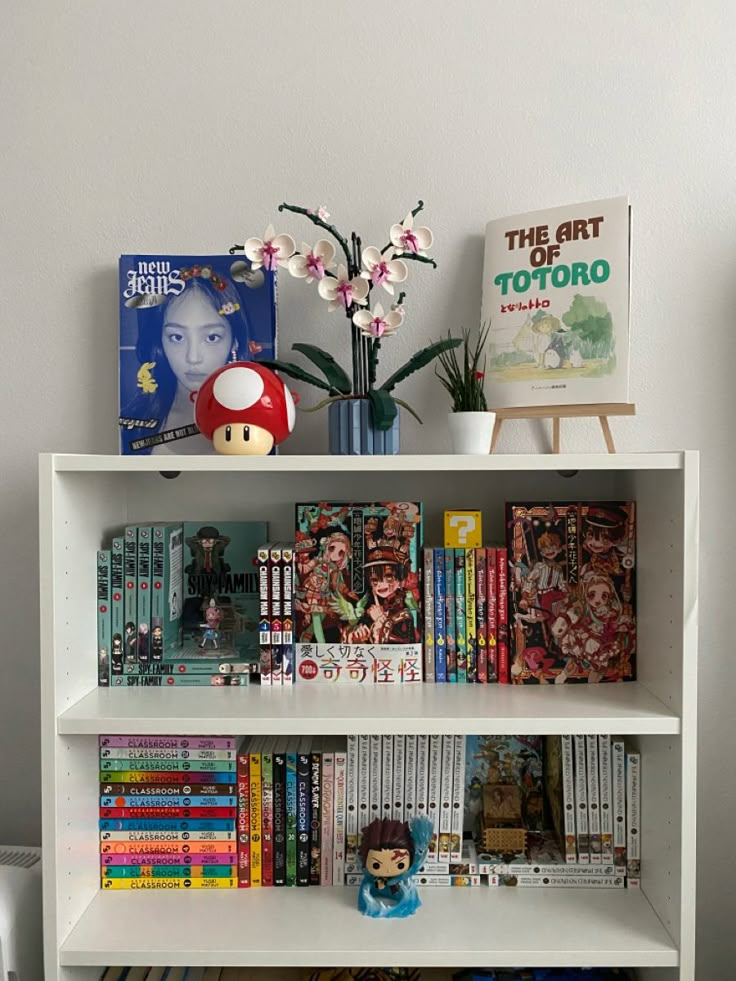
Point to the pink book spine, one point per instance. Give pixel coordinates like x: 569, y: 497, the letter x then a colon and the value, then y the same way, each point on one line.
x: 168, y: 742
x: 243, y: 820
x: 503, y: 623
x: 481, y: 613
x: 492, y: 605
x: 327, y: 817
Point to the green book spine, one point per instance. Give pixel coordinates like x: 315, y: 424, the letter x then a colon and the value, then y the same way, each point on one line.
x: 103, y: 618
x: 117, y: 606
x: 166, y: 589
x: 460, y: 639
x: 130, y: 601
x: 144, y: 594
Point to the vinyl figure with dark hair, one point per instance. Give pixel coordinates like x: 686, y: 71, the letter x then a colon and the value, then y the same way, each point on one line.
x: 392, y: 852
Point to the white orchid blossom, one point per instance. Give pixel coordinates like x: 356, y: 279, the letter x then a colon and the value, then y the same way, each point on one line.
x: 382, y: 271
x: 406, y: 238
x: 271, y: 251
x: 376, y: 324
x: 341, y: 291
x: 312, y: 262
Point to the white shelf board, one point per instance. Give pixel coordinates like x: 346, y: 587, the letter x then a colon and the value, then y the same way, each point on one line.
x: 348, y: 464
x: 625, y: 709
x: 322, y: 927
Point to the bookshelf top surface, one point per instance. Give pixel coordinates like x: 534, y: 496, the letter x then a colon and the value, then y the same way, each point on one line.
x: 61, y: 462
x: 321, y: 926
x: 627, y: 708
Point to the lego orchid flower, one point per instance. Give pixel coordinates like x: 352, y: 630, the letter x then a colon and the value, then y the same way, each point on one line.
x: 271, y: 251
x: 382, y: 271
x: 312, y: 263
x: 406, y: 238
x: 376, y: 324
x: 341, y: 291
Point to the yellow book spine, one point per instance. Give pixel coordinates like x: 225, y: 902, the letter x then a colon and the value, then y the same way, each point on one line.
x: 182, y: 884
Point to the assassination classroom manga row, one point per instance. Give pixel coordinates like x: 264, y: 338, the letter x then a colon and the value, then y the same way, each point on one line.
x: 357, y: 594
x: 572, y: 592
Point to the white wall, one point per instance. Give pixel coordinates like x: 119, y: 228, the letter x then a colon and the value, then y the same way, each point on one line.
x: 180, y: 126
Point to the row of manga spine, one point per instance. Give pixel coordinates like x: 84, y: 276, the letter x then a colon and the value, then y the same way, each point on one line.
x: 601, y: 786
x: 276, y: 612
x: 466, y: 615
x: 168, y: 809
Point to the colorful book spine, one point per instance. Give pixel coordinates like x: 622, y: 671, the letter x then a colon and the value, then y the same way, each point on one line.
x: 568, y: 799
x: 481, y: 612
x: 471, y: 639
x: 328, y: 799
x: 104, y: 619
x: 422, y: 775
x: 633, y: 819
x: 351, y: 801
x: 167, y: 584
x: 168, y: 871
x: 450, y: 643
x: 164, y: 824
x: 264, y: 612
x: 458, y: 799
x: 125, y: 813
x: 145, y: 678
x: 267, y: 812
x: 168, y: 742
x: 461, y: 640
x: 130, y: 599
x: 279, y: 818
x: 448, y: 752
x: 338, y: 842
x: 502, y: 606
x: 440, y: 596
x: 256, y: 813
x: 618, y: 776
x: 387, y: 773
x: 288, y: 651
x: 192, y: 791
x: 594, y: 811
x: 581, y: 801
x: 167, y: 776
x: 303, y: 812
x: 399, y: 769
x: 193, y: 883
x: 410, y: 777
x: 277, y: 640
x: 606, y: 802
x: 434, y: 783
x: 374, y: 778
x: 533, y: 881
x: 183, y: 801
x: 117, y: 764
x: 315, y: 834
x: 428, y: 589
x: 143, y: 601
x: 138, y: 840
x: 492, y: 607
x: 291, y: 797
x: 364, y: 756
x: 147, y: 754
x: 176, y: 851
x: 117, y: 606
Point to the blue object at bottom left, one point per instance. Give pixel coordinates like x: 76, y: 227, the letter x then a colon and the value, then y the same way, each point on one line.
x: 392, y: 852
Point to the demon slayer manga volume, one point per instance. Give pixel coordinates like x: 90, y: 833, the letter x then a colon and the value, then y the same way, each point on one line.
x: 357, y: 604
x: 572, y: 592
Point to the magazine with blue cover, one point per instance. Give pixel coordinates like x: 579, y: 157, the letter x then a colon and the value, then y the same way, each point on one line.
x: 181, y: 318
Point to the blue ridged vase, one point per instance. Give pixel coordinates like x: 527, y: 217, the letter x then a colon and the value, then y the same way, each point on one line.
x: 352, y: 432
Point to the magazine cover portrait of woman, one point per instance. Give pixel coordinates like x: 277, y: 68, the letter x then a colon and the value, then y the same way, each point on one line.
x: 181, y: 318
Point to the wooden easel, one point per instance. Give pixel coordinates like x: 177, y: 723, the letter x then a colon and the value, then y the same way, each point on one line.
x: 556, y: 412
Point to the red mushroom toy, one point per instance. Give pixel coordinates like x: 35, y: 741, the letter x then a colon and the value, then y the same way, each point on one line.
x: 244, y: 408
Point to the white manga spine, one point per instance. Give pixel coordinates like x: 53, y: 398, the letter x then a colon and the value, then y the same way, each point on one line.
x: 364, y: 814
x: 581, y: 801
x: 422, y: 775
x: 433, y: 792
x: 618, y: 774
x: 448, y: 754
x: 604, y: 770
x: 633, y: 819
x: 351, y: 802
x: 374, y: 778
x: 458, y: 799
x: 410, y: 778
x: 398, y: 778
x: 594, y: 803
x: 568, y: 800
x: 387, y: 776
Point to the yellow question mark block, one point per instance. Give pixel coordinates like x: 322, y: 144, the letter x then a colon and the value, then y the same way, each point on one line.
x: 463, y: 529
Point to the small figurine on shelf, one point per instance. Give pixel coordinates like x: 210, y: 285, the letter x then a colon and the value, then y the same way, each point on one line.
x: 212, y: 617
x: 245, y: 409
x: 391, y: 853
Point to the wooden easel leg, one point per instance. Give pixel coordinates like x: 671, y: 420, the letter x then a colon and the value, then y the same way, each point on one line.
x: 607, y: 433
x: 496, y: 432
x: 556, y: 435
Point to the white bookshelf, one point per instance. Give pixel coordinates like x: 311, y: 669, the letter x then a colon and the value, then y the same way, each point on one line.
x: 84, y: 499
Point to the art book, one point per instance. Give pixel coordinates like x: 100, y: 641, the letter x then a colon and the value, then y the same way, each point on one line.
x: 572, y: 592
x: 504, y: 760
x: 181, y: 318
x: 556, y: 298
x: 357, y: 592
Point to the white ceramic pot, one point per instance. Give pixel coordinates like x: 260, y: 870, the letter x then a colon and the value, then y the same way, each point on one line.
x: 470, y: 432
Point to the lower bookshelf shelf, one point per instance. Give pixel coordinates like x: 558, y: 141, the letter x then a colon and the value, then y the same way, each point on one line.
x: 458, y: 927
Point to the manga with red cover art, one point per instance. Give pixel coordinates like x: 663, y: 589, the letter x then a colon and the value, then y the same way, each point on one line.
x: 572, y: 592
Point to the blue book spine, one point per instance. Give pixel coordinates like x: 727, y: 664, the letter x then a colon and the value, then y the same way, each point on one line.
x: 164, y: 824
x: 291, y: 796
x: 440, y: 652
x: 450, y: 644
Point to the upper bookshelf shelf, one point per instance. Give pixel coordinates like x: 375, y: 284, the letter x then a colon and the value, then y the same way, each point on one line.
x: 401, y: 463
x: 624, y: 709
